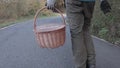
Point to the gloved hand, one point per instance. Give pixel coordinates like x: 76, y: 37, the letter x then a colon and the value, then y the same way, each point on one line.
x: 105, y: 6
x: 51, y: 4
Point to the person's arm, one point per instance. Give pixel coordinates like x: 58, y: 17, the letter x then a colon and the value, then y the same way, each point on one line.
x: 105, y: 6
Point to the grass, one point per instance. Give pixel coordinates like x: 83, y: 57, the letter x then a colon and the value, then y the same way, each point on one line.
x: 107, y: 26
x: 19, y: 20
x: 14, y: 21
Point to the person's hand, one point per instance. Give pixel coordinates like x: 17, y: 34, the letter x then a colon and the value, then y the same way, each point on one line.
x: 51, y: 4
x: 105, y: 6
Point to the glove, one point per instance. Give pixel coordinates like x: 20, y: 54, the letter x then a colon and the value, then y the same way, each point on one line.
x: 105, y: 6
x: 59, y: 4
x: 51, y: 4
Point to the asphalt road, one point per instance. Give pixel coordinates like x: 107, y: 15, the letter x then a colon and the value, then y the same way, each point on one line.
x: 19, y: 49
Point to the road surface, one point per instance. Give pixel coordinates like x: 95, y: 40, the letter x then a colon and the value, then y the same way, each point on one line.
x: 19, y: 49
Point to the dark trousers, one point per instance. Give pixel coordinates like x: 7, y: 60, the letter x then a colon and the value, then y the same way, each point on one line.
x: 79, y: 16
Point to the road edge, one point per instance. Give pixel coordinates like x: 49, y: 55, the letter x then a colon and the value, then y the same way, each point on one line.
x: 105, y: 41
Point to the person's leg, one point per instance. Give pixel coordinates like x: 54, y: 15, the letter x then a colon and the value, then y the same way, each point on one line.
x: 75, y: 19
x: 90, y: 48
x: 89, y: 7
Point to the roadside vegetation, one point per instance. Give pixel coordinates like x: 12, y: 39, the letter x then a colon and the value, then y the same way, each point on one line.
x: 107, y: 26
x: 13, y: 11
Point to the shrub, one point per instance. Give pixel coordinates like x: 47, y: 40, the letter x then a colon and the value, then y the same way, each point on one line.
x: 14, y: 9
x: 107, y: 26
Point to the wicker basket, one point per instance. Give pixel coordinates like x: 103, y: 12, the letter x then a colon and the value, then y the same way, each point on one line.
x: 50, y: 35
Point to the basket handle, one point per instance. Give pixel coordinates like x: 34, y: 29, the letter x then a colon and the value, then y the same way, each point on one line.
x: 35, y: 17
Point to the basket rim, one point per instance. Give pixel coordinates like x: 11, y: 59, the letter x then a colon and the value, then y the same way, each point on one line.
x: 55, y: 30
